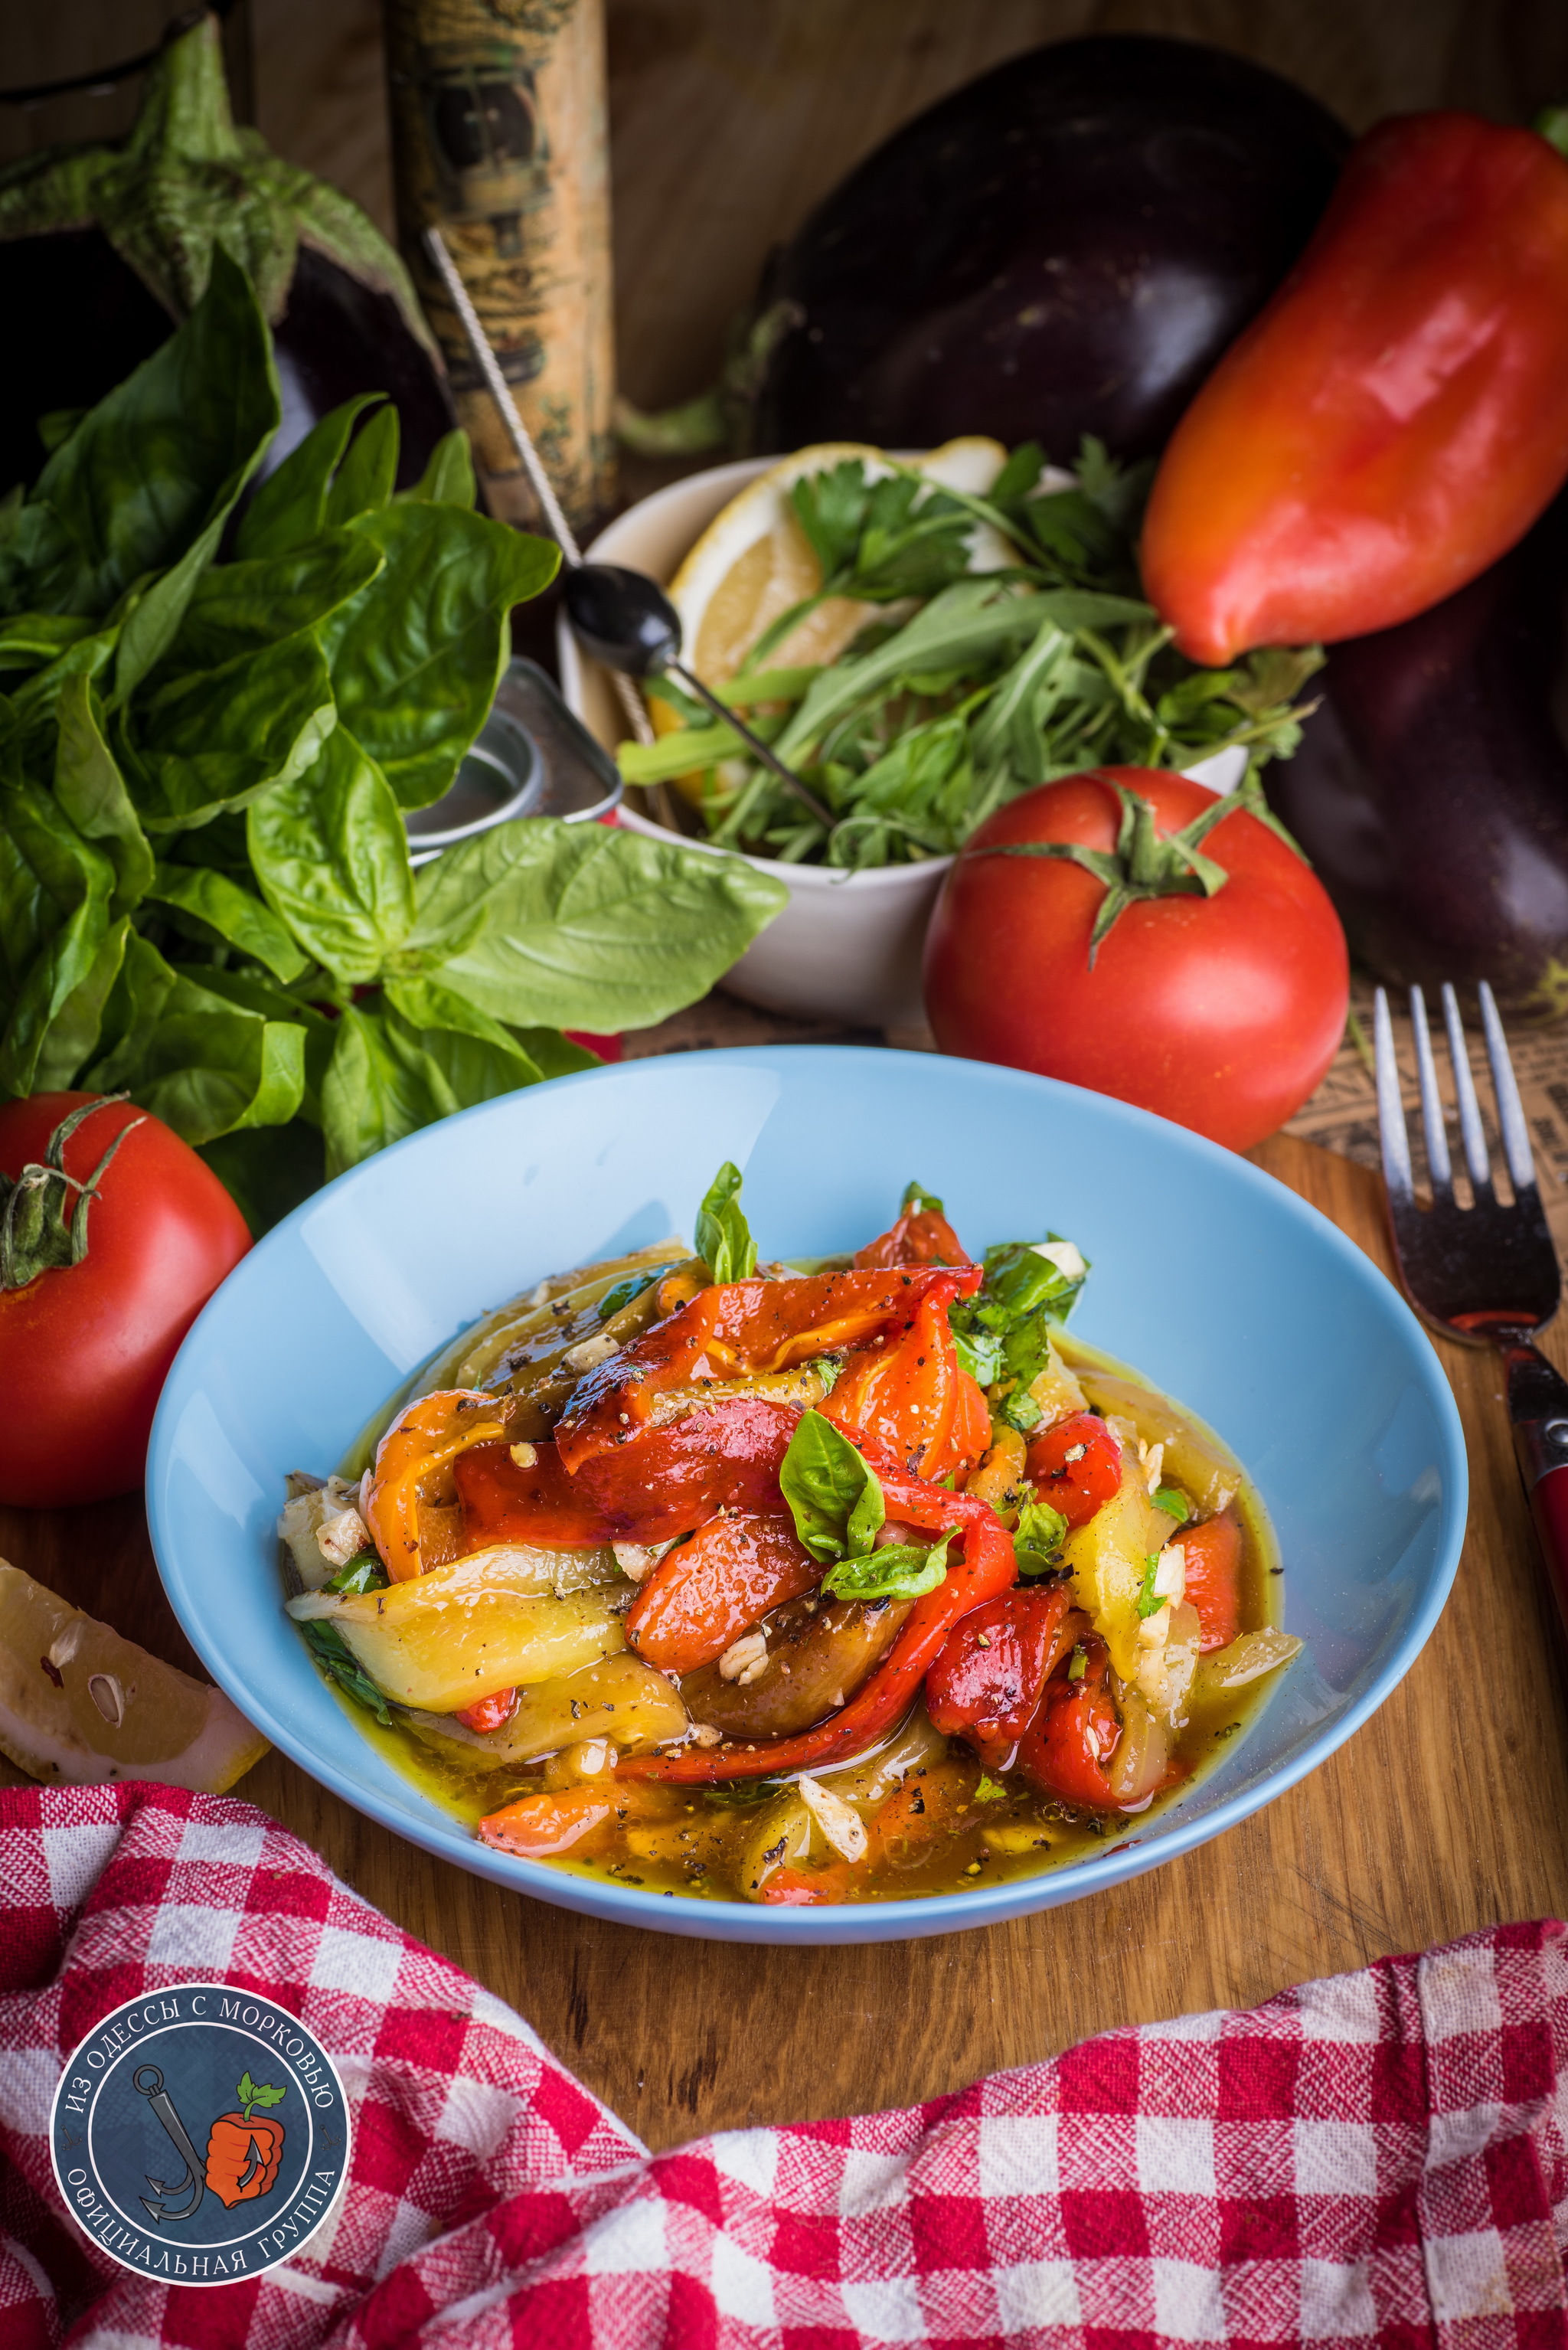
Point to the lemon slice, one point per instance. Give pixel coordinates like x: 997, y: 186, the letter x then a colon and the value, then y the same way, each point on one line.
x: 78, y: 1703
x: 753, y: 560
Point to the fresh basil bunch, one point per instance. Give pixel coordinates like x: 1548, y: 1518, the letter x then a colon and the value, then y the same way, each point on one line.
x: 206, y: 897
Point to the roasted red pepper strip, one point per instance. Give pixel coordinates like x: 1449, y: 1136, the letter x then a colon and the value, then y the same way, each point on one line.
x: 1076, y: 1467
x: 702, y: 1596
x: 725, y: 1333
x: 913, y: 1397
x: 920, y: 1236
x: 429, y: 1437
x: 985, y: 1566
x: 986, y: 1685
x: 1212, y: 1552
x: 493, y: 1712
x: 1074, y: 1735
x: 1393, y: 420
x: 663, y: 1483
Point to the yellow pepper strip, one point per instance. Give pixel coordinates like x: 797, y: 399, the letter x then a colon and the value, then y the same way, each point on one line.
x: 422, y: 1440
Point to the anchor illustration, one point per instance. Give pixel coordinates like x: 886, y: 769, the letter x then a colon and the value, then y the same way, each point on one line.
x: 148, y: 2081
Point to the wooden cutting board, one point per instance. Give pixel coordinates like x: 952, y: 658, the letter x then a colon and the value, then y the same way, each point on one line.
x: 1448, y: 1812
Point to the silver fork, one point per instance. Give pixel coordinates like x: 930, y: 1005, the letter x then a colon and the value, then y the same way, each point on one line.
x: 1487, y: 1274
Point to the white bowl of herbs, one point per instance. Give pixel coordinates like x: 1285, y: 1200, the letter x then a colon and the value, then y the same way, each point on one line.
x: 923, y: 636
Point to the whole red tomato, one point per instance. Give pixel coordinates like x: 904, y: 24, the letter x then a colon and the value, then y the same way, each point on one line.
x: 84, y: 1348
x: 1220, y: 1012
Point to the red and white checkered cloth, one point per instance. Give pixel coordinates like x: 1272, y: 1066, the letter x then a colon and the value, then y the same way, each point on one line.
x: 1376, y: 2157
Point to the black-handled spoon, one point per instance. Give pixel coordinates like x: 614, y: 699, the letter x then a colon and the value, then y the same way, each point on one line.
x: 625, y: 619
x: 621, y: 617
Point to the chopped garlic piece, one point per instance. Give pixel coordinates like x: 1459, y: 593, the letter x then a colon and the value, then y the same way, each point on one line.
x: 704, y: 1734
x: 526, y: 1456
x: 1170, y: 1575
x: 745, y: 1660
x: 842, y: 1826
x: 1069, y: 1260
x: 337, y: 1539
x: 589, y: 1351
x: 638, y: 1560
x: 1153, y: 1461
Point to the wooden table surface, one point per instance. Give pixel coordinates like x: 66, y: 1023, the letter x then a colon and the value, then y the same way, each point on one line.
x: 1447, y: 1811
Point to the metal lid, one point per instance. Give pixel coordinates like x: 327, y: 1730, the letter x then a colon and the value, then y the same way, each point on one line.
x: 531, y: 757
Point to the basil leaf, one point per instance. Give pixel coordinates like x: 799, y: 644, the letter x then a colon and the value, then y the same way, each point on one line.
x: 917, y: 1200
x: 418, y: 1056
x: 155, y: 467
x: 201, y: 1064
x: 55, y: 889
x: 979, y: 1353
x: 291, y: 503
x: 211, y: 909
x: 268, y: 1171
x: 448, y: 480
x: 1148, y: 1601
x: 896, y: 1570
x: 833, y: 1492
x: 724, y: 1240
x: 363, y: 481
x: 1173, y: 1503
x: 331, y: 855
x: 91, y: 792
x: 238, y: 608
x: 1038, y: 1537
x: 217, y: 738
x: 555, y: 1056
x: 32, y: 640
x: 363, y: 1572
x: 338, y: 1662
x: 584, y: 926
x: 416, y: 656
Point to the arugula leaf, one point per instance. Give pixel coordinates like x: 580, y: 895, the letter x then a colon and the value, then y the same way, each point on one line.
x: 724, y: 1240
x: 896, y: 1570
x: 1038, y: 1537
x: 581, y: 925
x: 833, y: 1492
x: 331, y: 855
x: 417, y: 655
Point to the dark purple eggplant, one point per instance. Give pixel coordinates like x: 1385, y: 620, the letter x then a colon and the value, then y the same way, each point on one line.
x: 89, y: 303
x: 1430, y: 789
x: 1065, y: 246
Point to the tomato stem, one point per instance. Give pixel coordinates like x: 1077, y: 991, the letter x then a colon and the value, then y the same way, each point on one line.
x: 35, y: 1236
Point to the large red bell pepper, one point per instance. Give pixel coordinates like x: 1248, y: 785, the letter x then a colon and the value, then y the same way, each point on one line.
x: 1395, y: 420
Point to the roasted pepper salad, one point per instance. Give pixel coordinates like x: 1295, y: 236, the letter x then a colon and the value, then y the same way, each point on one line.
x: 792, y: 1584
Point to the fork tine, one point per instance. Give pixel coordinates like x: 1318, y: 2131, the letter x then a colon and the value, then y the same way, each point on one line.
x: 1432, y: 1121
x: 1470, y: 1126
x: 1510, y: 1109
x: 1391, y: 1108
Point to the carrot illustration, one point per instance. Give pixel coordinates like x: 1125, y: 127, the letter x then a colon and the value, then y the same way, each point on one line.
x: 242, y: 2153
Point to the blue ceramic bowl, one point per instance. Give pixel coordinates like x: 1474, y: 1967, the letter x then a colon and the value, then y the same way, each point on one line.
x: 1216, y: 1282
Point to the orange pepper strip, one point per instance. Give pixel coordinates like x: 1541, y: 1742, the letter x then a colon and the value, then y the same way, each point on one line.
x: 746, y: 1325
x: 914, y: 1398
x: 985, y: 1567
x: 422, y: 1440
x: 703, y: 1595
x: 580, y: 1819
